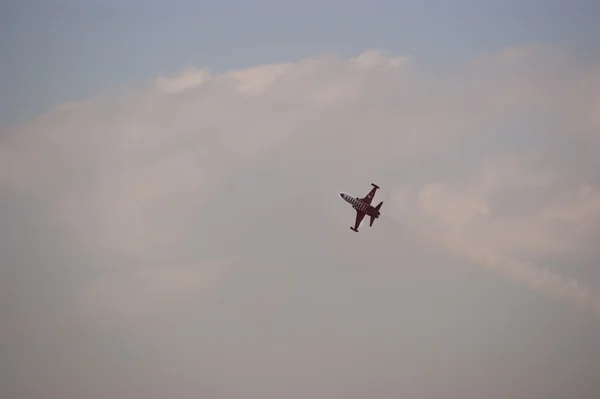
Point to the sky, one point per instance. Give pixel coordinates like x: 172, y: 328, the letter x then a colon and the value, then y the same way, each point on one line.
x: 171, y: 225
x: 64, y: 50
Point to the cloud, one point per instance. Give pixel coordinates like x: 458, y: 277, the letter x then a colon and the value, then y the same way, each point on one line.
x: 538, y: 223
x: 187, y: 80
x: 132, y: 203
x: 145, y: 292
x: 122, y: 175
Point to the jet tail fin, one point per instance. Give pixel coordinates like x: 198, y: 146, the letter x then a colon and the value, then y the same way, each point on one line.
x: 378, y: 207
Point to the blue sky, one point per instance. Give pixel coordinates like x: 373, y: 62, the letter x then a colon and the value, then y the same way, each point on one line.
x: 60, y: 51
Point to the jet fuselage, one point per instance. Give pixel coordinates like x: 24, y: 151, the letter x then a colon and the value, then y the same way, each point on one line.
x: 360, y: 205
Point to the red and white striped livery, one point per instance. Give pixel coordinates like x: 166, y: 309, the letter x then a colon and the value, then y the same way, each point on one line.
x: 363, y: 207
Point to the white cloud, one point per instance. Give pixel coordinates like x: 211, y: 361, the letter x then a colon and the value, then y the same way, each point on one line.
x: 74, y: 105
x: 134, y: 296
x: 188, y: 79
x: 512, y: 171
x: 464, y: 218
x: 136, y: 208
x: 129, y: 177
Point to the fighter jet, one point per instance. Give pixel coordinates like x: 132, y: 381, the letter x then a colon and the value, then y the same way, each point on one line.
x: 363, y: 207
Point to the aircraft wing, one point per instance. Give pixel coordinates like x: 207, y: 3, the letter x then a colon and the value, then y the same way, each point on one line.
x: 371, y: 194
x: 359, y: 217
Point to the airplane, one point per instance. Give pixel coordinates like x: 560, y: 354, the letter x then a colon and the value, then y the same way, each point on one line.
x: 363, y: 207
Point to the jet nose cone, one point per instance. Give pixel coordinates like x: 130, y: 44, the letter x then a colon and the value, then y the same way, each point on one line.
x: 341, y: 195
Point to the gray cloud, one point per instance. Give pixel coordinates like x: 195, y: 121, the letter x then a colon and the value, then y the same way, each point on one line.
x: 185, y: 239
